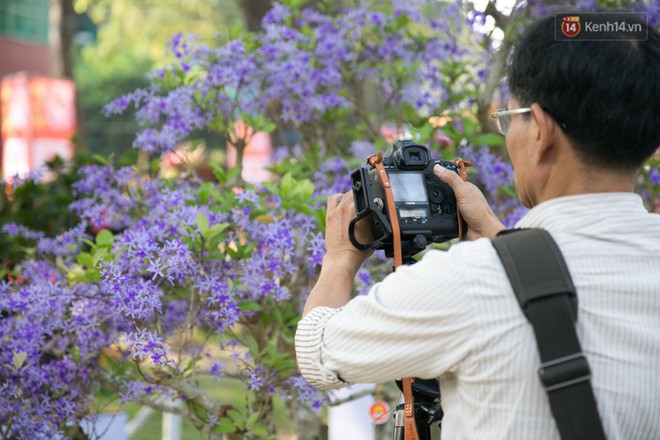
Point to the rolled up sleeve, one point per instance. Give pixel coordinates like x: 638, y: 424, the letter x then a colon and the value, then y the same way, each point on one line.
x: 309, y: 347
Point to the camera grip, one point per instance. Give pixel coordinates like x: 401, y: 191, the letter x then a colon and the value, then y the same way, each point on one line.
x: 351, y: 232
x: 380, y: 220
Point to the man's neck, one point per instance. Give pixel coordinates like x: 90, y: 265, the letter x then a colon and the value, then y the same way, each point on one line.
x: 583, y: 180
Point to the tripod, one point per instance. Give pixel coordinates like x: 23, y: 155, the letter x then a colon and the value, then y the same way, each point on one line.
x: 428, y: 409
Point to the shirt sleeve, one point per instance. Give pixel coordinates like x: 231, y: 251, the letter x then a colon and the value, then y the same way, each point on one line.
x: 309, y: 341
x: 417, y: 322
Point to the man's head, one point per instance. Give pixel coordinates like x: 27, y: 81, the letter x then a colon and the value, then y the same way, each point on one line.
x: 595, y: 108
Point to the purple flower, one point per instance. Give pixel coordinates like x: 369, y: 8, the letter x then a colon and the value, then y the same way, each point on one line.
x: 654, y: 176
x: 317, y: 248
x: 145, y: 344
x: 306, y: 393
x: 217, y: 370
x: 15, y: 230
x: 255, y: 383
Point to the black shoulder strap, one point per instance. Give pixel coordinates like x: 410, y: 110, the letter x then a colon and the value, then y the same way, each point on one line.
x: 546, y: 294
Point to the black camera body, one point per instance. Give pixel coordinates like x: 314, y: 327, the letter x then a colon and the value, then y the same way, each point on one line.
x: 426, y: 206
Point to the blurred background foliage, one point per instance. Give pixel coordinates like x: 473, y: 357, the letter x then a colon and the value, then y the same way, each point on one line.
x: 128, y: 44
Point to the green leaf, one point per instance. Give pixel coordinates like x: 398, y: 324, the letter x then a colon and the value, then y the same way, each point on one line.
x: 199, y: 410
x: 214, y: 230
x: 470, y: 126
x: 246, y: 252
x: 19, y: 359
x: 259, y: 431
x: 508, y: 191
x: 232, y: 253
x: 294, y: 5
x: 237, y: 417
x: 278, y: 317
x: 226, y: 426
x: 85, y: 259
x: 75, y: 354
x: 286, y: 184
x: 219, y: 173
x: 490, y: 139
x: 304, y: 190
x: 401, y: 21
x: 202, y: 223
x: 249, y: 305
x: 100, y: 159
x: 99, y: 254
x: 251, y: 421
x: 232, y: 173
x: 252, y: 345
x: 410, y: 113
x: 269, y: 127
x: 104, y: 238
x: 218, y: 124
x: 285, y: 365
x: 206, y: 190
x: 271, y: 188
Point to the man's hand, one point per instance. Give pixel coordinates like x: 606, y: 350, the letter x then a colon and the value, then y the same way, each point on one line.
x: 342, y: 260
x: 341, y: 209
x: 472, y: 204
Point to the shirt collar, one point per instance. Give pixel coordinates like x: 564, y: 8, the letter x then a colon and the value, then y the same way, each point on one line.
x: 579, y: 211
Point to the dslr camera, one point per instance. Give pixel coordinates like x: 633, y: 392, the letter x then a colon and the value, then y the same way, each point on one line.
x: 425, y: 205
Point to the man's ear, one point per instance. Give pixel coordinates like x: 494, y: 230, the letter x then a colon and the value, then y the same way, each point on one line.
x: 545, y: 134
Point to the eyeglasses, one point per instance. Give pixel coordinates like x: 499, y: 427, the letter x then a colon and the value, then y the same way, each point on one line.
x: 503, y: 117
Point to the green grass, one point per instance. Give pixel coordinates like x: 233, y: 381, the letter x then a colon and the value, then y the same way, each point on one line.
x: 229, y: 391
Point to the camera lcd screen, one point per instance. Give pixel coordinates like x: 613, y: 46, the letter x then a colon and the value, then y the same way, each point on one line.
x: 408, y: 187
x: 406, y: 213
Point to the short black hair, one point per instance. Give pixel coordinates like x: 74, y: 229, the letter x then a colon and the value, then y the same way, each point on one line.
x: 605, y: 94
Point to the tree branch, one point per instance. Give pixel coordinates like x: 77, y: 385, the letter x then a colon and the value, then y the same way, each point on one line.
x: 501, y: 21
x: 506, y: 23
x: 143, y: 401
x: 351, y: 397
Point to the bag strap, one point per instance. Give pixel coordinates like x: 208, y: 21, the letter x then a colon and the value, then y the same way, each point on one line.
x: 546, y: 294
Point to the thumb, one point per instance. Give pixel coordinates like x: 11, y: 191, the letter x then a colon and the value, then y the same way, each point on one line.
x: 447, y: 176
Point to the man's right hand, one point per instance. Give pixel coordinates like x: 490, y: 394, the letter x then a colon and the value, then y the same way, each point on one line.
x: 472, y: 204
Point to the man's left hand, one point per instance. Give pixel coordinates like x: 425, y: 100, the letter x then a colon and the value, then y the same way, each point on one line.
x: 341, y: 209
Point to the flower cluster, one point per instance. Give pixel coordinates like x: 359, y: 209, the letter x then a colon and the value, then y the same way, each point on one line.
x: 52, y: 332
x: 305, y: 67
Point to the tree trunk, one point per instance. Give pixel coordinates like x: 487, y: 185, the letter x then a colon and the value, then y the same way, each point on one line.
x: 62, y: 22
x: 307, y: 424
x: 60, y: 36
x: 254, y: 11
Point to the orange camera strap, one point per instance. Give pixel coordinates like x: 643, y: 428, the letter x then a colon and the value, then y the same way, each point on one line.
x: 376, y: 161
x: 462, y: 166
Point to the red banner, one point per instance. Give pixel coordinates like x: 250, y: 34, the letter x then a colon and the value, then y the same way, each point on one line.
x: 38, y: 120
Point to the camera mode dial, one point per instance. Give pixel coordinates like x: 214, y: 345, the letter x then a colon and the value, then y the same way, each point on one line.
x: 436, y: 194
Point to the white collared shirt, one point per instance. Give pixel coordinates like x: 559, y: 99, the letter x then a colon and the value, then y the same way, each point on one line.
x: 454, y: 316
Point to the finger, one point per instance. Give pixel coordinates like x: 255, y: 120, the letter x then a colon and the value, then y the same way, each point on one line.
x: 333, y: 202
x: 449, y: 177
x: 346, y: 198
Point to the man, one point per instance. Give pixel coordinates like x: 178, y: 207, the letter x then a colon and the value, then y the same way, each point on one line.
x: 582, y: 118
